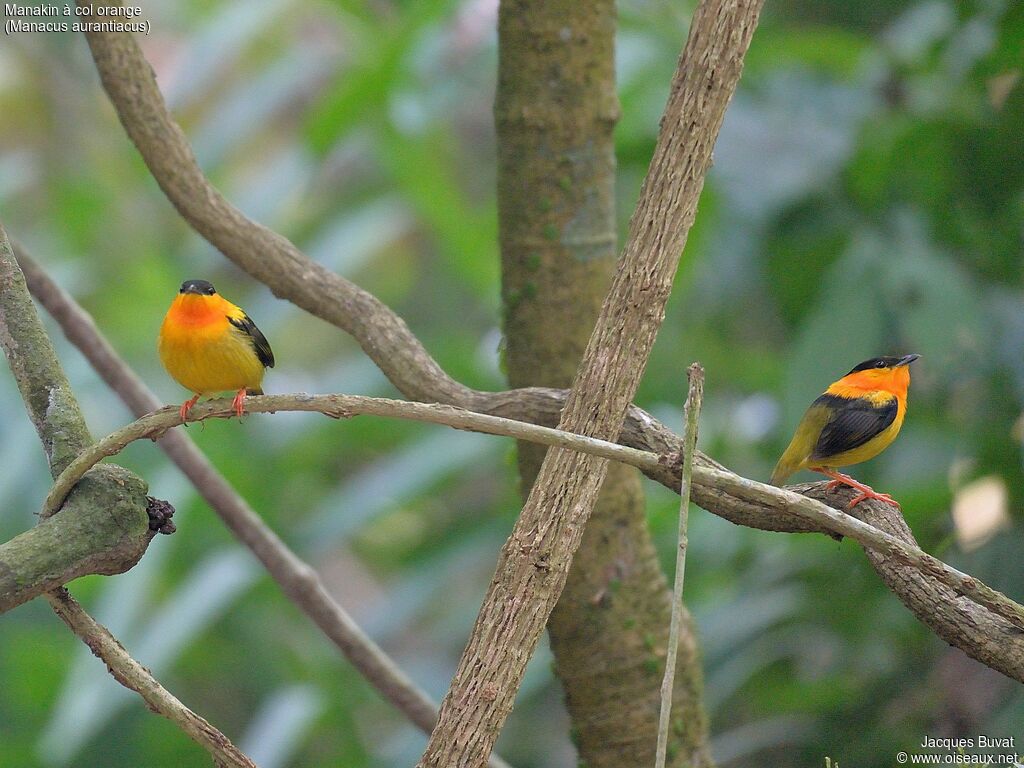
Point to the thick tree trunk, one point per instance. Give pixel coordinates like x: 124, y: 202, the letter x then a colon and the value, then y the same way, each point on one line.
x: 555, y: 112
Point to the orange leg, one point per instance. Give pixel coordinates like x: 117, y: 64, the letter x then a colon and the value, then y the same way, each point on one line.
x: 186, y: 407
x: 239, y: 402
x: 866, y: 491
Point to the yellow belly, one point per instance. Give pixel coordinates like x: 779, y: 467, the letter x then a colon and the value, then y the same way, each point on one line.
x: 207, y: 360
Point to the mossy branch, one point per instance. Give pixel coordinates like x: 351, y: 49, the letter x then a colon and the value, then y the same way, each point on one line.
x: 111, y: 530
x: 103, y: 529
x: 45, y: 389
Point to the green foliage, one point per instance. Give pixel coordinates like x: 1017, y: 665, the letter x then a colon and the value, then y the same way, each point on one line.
x: 868, y: 197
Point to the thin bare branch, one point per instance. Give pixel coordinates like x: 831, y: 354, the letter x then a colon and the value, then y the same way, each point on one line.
x: 154, y: 425
x: 135, y: 677
x: 691, y: 412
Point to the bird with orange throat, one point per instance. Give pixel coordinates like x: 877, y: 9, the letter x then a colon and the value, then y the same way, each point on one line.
x: 854, y: 420
x: 209, y: 345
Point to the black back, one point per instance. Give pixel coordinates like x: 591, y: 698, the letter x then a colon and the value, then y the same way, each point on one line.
x: 853, y: 423
x: 259, y: 341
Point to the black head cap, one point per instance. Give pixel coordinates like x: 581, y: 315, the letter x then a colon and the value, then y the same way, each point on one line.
x: 200, y: 287
x: 884, y: 362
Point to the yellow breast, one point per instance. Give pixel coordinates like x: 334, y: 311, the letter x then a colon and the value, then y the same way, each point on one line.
x: 208, y: 357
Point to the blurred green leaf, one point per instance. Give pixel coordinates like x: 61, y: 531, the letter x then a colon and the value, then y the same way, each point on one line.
x: 832, y: 50
x: 362, y: 90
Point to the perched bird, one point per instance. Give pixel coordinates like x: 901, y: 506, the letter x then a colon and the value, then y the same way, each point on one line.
x: 209, y: 345
x: 854, y: 420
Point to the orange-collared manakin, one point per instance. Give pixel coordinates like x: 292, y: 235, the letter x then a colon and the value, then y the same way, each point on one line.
x: 209, y: 345
x: 854, y: 420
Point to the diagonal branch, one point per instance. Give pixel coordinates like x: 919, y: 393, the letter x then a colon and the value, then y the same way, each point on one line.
x: 534, y: 562
x: 132, y: 675
x: 555, y: 110
x: 300, y: 582
x: 54, y: 409
x: 264, y: 254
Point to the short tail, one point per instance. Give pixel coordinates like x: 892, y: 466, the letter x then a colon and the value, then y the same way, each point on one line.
x: 253, y: 390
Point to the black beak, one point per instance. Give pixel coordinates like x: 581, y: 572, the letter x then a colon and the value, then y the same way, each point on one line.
x: 907, y: 360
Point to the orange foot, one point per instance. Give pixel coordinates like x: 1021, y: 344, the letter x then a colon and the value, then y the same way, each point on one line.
x: 239, y: 402
x: 186, y: 407
x: 866, y: 491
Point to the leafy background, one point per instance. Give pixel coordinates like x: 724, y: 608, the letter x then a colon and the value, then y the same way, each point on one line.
x: 867, y: 197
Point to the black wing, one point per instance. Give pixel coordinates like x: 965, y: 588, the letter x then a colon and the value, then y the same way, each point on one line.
x: 259, y: 341
x: 853, y: 423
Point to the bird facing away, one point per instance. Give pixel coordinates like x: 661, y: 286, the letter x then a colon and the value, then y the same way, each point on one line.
x: 209, y: 345
x: 854, y: 420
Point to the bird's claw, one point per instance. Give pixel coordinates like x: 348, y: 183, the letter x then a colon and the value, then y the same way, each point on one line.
x: 871, y: 494
x: 239, y: 403
x: 865, y: 491
x: 186, y: 407
x: 833, y: 484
